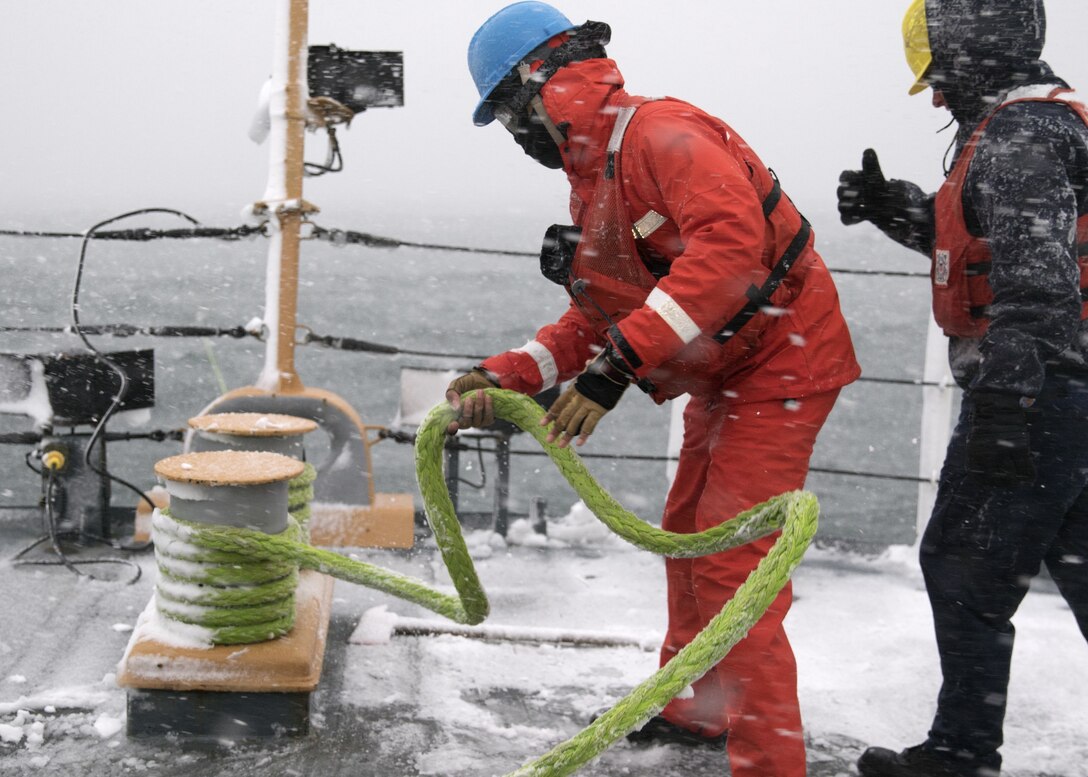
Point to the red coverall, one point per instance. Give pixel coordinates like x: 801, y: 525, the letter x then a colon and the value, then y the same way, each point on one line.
x: 757, y: 403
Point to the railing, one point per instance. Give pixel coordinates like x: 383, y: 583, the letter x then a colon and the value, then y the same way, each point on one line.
x: 936, y: 384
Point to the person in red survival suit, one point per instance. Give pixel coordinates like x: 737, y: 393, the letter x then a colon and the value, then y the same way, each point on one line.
x: 689, y: 271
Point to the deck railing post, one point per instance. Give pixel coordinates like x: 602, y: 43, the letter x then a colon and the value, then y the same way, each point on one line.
x: 936, y: 421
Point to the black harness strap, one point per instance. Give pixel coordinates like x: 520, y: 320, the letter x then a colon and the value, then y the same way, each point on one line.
x: 771, y: 202
x: 760, y: 296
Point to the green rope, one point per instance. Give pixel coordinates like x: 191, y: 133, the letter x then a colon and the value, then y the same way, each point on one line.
x: 234, y: 597
x: 795, y: 514
x: 300, y: 493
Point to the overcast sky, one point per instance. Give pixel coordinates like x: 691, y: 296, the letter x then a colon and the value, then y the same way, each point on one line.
x: 121, y: 104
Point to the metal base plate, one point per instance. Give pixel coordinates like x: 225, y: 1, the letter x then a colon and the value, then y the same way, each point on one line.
x: 217, y: 715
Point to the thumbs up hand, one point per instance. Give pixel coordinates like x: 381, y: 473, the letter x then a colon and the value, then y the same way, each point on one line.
x: 866, y: 195
x: 900, y: 209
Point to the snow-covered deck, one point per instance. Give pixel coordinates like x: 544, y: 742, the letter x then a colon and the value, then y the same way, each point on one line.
x: 466, y: 707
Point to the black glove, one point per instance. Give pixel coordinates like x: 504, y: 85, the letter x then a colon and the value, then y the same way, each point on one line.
x: 866, y: 195
x: 595, y: 391
x: 998, y: 446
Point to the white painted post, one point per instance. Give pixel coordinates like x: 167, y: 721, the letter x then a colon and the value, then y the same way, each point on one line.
x: 936, y: 421
x: 676, y: 435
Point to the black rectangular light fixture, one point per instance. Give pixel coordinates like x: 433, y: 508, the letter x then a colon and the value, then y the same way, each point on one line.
x: 356, y: 79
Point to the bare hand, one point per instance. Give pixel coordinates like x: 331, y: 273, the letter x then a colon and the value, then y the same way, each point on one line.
x: 474, y: 410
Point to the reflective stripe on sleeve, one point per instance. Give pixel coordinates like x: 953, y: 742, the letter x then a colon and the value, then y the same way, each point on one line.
x: 545, y: 362
x: 673, y: 315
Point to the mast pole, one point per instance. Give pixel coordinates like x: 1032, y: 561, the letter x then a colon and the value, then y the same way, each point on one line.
x: 284, y: 197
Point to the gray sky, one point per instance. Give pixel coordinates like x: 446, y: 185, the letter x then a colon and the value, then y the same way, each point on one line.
x: 120, y: 104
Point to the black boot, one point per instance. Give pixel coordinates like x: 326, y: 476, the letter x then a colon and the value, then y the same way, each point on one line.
x: 920, y: 761
x: 657, y: 730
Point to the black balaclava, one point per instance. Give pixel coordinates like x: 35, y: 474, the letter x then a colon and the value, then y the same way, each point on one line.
x: 537, y: 142
x: 585, y: 42
x: 982, y: 49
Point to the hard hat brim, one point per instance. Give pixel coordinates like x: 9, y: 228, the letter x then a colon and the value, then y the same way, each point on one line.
x: 484, y: 113
x: 919, y: 86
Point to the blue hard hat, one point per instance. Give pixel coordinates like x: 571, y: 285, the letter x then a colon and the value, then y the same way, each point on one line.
x: 503, y: 40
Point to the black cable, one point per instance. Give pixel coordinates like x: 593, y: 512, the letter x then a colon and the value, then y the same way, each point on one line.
x: 20, y: 438
x: 36, y: 233
x: 350, y: 237
x: 366, y: 346
x: 648, y: 457
x: 906, y: 382
x: 349, y: 344
x: 342, y: 236
x: 129, y: 330
x: 144, y: 234
x: 410, y: 437
x: 875, y: 475
x: 944, y: 160
x: 889, y: 273
x: 334, y: 161
x: 26, y: 460
x: 123, y: 388
x: 155, y: 435
x: 53, y: 537
x: 483, y: 470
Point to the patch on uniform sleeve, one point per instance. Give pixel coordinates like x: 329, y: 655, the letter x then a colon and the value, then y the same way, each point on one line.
x: 941, y: 261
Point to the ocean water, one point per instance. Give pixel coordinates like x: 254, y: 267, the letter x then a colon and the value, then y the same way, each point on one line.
x: 457, y: 303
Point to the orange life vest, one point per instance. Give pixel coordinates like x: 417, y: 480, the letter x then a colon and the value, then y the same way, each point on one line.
x: 962, y: 261
x: 610, y: 278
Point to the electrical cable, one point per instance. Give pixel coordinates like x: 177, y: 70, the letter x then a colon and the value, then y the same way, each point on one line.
x: 144, y: 234
x: 118, y: 398
x: 338, y: 237
x: 483, y: 470
x: 944, y: 159
x: 342, y: 237
x: 54, y: 537
x: 334, y: 161
x: 129, y: 330
x: 409, y: 438
x: 26, y: 460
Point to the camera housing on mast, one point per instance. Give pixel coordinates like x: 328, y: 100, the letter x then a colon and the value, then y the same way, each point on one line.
x: 357, y: 80
x: 341, y: 84
x: 344, y: 83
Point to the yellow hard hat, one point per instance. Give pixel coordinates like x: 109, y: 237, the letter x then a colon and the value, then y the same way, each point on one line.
x: 916, y: 44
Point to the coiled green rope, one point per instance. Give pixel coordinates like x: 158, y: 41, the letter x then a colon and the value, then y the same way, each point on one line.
x: 230, y: 596
x: 795, y: 513
x: 300, y: 494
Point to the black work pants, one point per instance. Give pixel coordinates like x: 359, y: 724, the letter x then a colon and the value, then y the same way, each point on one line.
x: 980, y: 551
